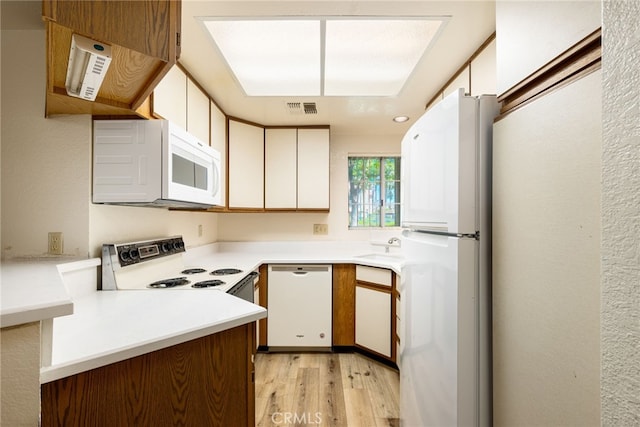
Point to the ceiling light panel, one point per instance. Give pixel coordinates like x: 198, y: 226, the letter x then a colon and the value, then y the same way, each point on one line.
x: 327, y: 56
x: 271, y: 57
x: 373, y: 57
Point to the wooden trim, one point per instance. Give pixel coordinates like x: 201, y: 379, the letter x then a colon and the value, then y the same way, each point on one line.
x: 49, y: 8
x: 343, y: 328
x: 263, y: 282
x: 251, y: 376
x: 394, y: 356
x: 459, y: 71
x: 376, y: 286
x: 298, y: 127
x: 246, y: 122
x: 579, y: 60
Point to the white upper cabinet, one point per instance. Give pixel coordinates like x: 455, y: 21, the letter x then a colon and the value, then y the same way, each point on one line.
x: 218, y: 132
x: 313, y: 168
x: 197, y: 112
x: 483, y: 71
x: 280, y: 168
x: 246, y: 165
x: 170, y: 97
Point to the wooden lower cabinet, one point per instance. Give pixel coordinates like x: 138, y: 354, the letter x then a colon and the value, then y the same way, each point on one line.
x: 344, y: 301
x: 208, y: 381
x: 262, y: 301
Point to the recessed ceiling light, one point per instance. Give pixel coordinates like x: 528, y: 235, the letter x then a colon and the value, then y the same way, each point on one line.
x: 328, y: 56
x: 400, y: 119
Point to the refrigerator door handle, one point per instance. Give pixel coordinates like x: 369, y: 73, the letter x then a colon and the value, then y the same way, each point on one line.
x: 475, y: 236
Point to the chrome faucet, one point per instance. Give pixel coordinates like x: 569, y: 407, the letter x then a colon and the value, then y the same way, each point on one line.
x: 394, y: 240
x: 391, y: 241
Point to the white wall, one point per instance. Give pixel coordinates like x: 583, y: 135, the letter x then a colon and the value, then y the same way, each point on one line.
x: 531, y: 33
x: 620, y: 257
x: 546, y: 273
x: 46, y: 163
x: 299, y: 226
x: 546, y: 223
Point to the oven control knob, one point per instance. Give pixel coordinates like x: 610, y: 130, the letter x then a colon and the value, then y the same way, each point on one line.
x: 165, y: 247
x: 134, y: 254
x: 177, y: 245
x: 124, y: 256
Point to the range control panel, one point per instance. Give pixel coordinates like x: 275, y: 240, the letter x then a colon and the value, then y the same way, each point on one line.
x: 133, y: 253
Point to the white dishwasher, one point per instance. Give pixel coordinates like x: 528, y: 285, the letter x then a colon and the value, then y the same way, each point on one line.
x: 299, y: 305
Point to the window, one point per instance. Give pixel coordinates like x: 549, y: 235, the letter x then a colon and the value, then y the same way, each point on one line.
x: 374, y: 192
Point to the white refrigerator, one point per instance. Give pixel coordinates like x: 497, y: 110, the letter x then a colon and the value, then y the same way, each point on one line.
x: 445, y: 355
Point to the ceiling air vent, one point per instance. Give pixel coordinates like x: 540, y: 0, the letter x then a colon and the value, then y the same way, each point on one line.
x: 310, y: 108
x: 302, y: 107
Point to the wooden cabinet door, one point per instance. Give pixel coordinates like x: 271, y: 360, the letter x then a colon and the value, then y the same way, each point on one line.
x: 280, y: 168
x: 206, y: 381
x: 313, y: 168
x: 197, y: 112
x: 246, y: 165
x: 344, y: 300
x: 170, y: 97
x: 373, y: 320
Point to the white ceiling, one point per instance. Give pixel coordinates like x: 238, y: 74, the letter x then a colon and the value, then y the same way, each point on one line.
x: 470, y: 24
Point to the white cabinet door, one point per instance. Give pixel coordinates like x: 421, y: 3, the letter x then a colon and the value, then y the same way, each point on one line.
x: 170, y: 97
x: 246, y: 165
x: 197, y: 112
x: 373, y: 320
x: 218, y: 132
x: 313, y: 168
x: 280, y: 168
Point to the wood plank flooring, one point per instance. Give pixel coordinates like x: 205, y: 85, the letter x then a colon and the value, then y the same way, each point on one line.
x: 325, y: 389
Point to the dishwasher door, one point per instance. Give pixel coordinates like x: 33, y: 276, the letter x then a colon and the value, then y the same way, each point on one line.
x: 299, y: 306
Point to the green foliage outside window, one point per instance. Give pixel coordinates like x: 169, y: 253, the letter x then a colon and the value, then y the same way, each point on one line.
x: 374, y: 192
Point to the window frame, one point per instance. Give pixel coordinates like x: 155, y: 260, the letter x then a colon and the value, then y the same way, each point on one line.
x: 397, y: 206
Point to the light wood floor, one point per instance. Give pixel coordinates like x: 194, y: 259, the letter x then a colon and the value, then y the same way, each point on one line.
x: 325, y: 389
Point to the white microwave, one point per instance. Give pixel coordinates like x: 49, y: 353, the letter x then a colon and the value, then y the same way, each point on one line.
x: 153, y: 163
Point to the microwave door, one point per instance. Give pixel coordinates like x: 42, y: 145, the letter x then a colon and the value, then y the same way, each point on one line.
x: 193, y: 171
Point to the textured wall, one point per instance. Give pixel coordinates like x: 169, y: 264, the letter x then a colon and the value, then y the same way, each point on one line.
x: 20, y: 375
x: 620, y: 322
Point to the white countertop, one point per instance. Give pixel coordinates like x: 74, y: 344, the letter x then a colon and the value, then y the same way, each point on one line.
x: 32, y: 290
x: 110, y: 326
x: 249, y: 255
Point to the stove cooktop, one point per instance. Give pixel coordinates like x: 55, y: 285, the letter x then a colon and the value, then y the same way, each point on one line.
x: 159, y: 264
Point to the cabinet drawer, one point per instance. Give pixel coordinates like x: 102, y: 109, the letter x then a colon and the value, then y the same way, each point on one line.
x: 375, y: 275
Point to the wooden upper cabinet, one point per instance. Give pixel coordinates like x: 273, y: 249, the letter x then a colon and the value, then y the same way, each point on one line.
x: 144, y: 38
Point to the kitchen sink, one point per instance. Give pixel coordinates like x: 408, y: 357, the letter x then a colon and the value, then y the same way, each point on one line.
x: 381, y: 257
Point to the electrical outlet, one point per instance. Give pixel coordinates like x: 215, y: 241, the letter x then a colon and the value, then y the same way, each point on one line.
x: 56, y: 244
x: 320, y: 229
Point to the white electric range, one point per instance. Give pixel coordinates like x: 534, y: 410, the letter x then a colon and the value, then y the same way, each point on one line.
x: 159, y: 264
